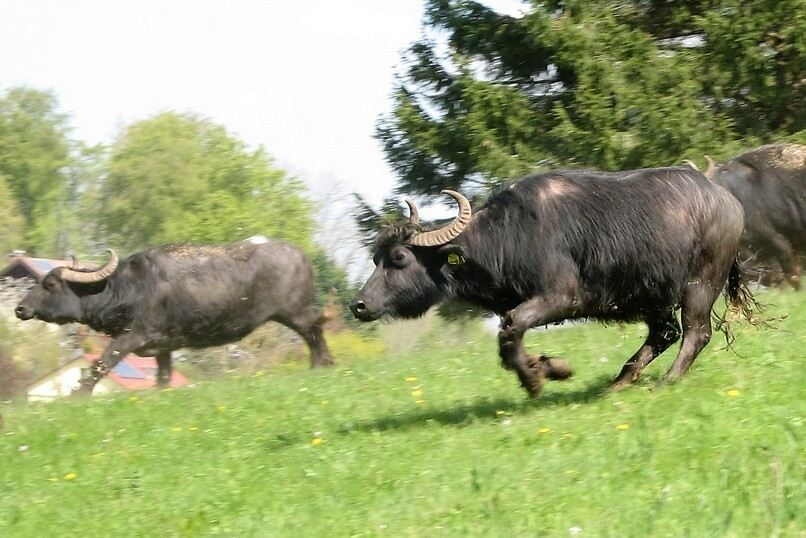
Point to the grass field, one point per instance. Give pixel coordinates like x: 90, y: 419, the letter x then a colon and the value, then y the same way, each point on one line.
x: 440, y: 441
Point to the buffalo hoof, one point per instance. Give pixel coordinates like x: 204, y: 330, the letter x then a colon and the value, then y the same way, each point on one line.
x: 620, y: 384
x: 555, y: 368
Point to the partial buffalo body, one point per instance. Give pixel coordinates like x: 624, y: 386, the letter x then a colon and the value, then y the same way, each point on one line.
x: 175, y: 296
x: 770, y: 182
x: 563, y: 245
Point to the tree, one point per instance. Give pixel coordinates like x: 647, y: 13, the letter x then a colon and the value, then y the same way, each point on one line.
x: 11, y: 220
x: 179, y: 177
x: 611, y: 85
x: 34, y: 149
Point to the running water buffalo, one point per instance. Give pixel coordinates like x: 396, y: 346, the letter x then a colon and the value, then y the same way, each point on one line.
x: 174, y: 296
x: 770, y: 182
x: 560, y: 245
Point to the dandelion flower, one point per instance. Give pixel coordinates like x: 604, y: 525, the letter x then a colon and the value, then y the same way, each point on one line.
x: 222, y: 408
x: 544, y: 430
x: 623, y: 427
x: 325, y: 402
x: 417, y: 393
x: 193, y: 428
x: 316, y: 441
x: 70, y: 476
x: 176, y: 429
x: 53, y: 479
x: 419, y: 402
x: 733, y: 393
x: 411, y: 379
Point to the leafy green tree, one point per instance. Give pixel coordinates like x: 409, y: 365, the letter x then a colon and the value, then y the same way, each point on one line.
x: 333, y: 285
x: 34, y: 149
x: 612, y: 85
x: 179, y: 177
x: 12, y: 223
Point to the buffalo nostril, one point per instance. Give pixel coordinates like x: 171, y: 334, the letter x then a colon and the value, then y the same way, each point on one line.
x: 358, y: 307
x: 20, y: 311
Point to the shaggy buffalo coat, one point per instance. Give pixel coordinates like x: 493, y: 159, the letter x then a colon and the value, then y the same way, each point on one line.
x: 175, y: 296
x: 770, y: 183
x: 560, y: 245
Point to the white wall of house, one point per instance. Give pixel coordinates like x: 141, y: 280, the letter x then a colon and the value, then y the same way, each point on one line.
x: 62, y: 382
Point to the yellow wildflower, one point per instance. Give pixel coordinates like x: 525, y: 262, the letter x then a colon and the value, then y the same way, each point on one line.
x: 222, y: 408
x: 623, y: 427
x: 417, y: 393
x: 411, y: 379
x: 193, y: 428
x: 70, y: 476
x: 733, y: 393
x: 316, y: 441
x: 133, y: 398
x: 419, y: 402
x: 544, y: 430
x: 176, y: 429
x: 325, y: 402
x: 53, y: 479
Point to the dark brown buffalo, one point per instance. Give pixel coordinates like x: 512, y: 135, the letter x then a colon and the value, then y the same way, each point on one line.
x: 627, y: 246
x: 175, y: 296
x: 770, y: 183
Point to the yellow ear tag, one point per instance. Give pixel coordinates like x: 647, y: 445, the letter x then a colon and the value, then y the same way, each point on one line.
x: 455, y: 259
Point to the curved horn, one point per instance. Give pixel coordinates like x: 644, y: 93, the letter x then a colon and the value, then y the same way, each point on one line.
x: 414, y: 215
x: 692, y: 164
x: 71, y: 275
x: 710, y: 172
x: 75, y: 261
x: 446, y: 233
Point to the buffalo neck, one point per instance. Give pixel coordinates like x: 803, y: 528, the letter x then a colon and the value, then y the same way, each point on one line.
x: 102, y: 310
x: 480, y: 280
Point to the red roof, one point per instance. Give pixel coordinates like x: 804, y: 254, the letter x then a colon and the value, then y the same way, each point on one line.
x: 134, y: 373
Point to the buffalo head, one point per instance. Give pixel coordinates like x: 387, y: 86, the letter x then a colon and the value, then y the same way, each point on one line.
x: 409, y: 276
x: 57, y: 298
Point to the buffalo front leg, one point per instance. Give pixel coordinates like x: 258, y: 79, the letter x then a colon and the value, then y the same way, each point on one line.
x: 532, y: 371
x: 114, y: 352
x: 164, y: 368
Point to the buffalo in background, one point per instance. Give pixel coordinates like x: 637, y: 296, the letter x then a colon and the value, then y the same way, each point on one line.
x: 169, y: 297
x: 626, y: 246
x: 770, y: 183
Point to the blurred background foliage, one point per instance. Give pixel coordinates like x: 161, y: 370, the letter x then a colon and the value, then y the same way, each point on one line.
x: 484, y: 97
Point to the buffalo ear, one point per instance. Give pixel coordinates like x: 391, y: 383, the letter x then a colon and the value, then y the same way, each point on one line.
x: 453, y: 255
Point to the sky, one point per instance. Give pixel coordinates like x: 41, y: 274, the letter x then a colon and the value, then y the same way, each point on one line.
x: 306, y: 79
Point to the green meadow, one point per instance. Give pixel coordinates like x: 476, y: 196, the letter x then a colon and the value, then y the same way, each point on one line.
x: 432, y: 438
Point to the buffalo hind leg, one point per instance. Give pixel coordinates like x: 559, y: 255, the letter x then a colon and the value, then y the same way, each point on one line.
x: 696, y: 318
x: 114, y: 352
x: 164, y: 368
x: 532, y: 370
x: 663, y: 332
x: 309, y: 326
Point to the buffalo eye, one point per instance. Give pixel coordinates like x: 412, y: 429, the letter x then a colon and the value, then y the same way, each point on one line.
x: 399, y: 256
x: 49, y: 285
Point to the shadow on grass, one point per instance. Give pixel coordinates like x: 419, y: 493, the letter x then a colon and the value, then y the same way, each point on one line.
x: 482, y: 410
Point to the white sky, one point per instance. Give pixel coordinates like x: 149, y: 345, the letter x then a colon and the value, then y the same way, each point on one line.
x: 305, y: 78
